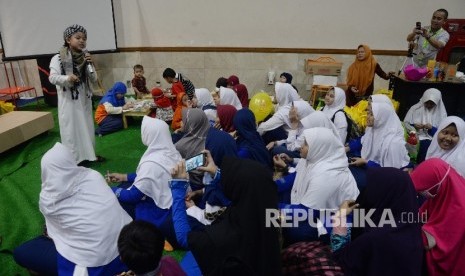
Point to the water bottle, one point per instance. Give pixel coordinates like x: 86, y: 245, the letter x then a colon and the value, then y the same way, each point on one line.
x: 436, y: 72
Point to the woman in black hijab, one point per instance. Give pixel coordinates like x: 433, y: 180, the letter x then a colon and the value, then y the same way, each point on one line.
x: 386, y: 249
x: 237, y: 242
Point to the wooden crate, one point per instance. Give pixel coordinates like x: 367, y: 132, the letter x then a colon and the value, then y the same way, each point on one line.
x: 323, y: 66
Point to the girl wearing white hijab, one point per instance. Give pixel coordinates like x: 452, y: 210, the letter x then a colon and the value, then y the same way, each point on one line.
x: 449, y: 143
x: 285, y: 94
x: 281, y: 117
x: 424, y: 117
x: 276, y: 129
x: 322, y: 180
x: 204, y: 101
x: 382, y: 144
x: 82, y: 215
x: 228, y: 96
x: 335, y: 101
x: 380, y: 98
x: 149, y: 191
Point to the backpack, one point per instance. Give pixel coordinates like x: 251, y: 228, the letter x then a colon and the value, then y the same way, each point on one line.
x: 353, y: 129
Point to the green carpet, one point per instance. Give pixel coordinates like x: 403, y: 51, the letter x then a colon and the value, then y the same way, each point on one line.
x: 20, y: 218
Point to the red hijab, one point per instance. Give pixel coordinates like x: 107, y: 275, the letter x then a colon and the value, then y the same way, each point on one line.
x: 242, y: 94
x: 160, y: 99
x: 445, y: 216
x: 226, y: 114
x: 240, y: 89
x: 233, y: 80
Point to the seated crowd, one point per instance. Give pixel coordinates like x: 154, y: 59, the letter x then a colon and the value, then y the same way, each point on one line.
x: 294, y: 194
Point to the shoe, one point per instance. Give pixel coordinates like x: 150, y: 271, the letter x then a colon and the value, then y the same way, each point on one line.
x: 84, y: 163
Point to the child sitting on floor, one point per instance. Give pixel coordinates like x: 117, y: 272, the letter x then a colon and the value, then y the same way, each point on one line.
x: 164, y: 111
x: 109, y: 112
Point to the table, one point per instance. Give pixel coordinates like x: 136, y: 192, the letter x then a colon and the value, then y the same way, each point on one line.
x: 409, y: 93
x: 13, y: 88
x: 133, y: 113
x: 14, y: 92
x: 17, y: 127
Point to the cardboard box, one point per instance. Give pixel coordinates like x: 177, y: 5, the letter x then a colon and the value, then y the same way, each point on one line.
x: 323, y: 66
x: 17, y: 127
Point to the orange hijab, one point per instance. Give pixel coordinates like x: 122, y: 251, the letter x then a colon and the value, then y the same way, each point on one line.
x: 362, y: 72
x: 177, y: 116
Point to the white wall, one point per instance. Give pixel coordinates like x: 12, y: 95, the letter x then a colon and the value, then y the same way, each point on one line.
x: 333, y: 24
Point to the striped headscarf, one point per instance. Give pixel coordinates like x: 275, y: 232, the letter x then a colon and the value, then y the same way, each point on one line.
x: 72, y: 30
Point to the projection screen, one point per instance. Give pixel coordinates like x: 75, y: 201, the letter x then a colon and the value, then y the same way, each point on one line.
x: 31, y: 28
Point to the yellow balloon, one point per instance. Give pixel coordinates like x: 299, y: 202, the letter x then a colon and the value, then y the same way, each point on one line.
x: 261, y: 106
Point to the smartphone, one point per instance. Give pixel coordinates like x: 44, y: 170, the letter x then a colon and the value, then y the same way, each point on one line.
x: 195, y: 161
x: 418, y: 25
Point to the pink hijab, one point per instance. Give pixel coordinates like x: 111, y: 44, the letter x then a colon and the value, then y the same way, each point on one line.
x: 445, y: 216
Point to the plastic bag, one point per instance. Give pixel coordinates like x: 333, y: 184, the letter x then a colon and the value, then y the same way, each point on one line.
x: 414, y: 73
x: 6, y: 107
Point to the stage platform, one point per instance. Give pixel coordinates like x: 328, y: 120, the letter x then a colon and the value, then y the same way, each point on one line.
x: 17, y: 127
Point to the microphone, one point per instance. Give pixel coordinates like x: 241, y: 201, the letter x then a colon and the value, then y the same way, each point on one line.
x: 90, y: 68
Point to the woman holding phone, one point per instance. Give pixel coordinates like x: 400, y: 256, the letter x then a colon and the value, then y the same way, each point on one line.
x: 200, y: 136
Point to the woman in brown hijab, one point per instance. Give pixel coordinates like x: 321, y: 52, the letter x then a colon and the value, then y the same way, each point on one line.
x: 361, y: 75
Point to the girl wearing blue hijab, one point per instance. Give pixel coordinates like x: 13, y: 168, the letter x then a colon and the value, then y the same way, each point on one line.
x: 109, y: 112
x: 250, y: 144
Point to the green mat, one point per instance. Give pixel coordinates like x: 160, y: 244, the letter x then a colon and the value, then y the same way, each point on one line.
x: 20, y: 218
